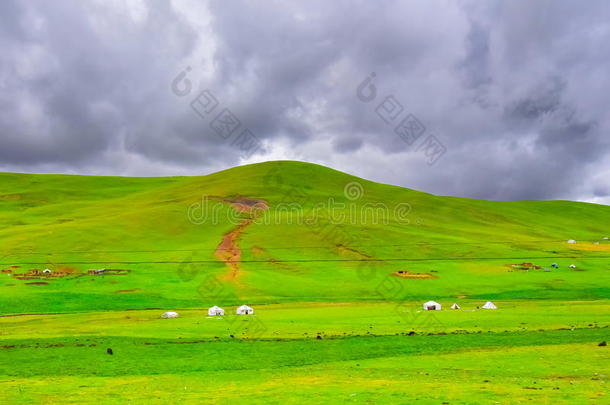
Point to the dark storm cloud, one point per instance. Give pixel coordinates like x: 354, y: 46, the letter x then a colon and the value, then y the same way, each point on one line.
x: 516, y: 91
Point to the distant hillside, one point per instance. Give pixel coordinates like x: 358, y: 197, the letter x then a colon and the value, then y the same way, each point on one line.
x: 287, y: 231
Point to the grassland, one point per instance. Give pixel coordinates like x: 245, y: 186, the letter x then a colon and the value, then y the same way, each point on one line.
x: 338, y: 353
x: 333, y: 324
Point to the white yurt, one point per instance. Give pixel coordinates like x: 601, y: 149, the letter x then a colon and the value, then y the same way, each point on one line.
x: 571, y: 241
x: 432, y: 306
x: 47, y: 271
x: 572, y: 266
x: 455, y: 306
x: 245, y: 310
x: 216, y: 310
x: 489, y: 305
x: 170, y: 314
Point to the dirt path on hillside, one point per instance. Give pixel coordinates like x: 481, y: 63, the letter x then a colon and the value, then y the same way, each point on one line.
x: 342, y: 248
x: 228, y: 250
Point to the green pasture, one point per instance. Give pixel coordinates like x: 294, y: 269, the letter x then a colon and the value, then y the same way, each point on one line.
x: 308, y: 320
x: 334, y: 322
x: 333, y: 353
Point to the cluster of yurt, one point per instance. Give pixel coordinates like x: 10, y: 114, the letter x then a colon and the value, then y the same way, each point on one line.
x: 435, y: 306
x: 242, y: 310
x: 556, y: 266
x: 214, y: 311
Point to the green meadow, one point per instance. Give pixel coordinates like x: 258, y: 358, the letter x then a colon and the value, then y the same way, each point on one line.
x: 337, y: 269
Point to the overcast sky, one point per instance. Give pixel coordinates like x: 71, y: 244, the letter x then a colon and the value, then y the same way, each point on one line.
x: 496, y: 100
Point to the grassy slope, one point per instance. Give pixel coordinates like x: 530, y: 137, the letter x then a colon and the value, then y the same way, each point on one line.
x: 86, y: 222
x: 529, y: 350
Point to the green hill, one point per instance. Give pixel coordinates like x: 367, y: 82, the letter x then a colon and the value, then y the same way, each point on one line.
x: 325, y: 236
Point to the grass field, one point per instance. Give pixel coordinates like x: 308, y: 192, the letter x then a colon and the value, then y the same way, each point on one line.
x: 547, y: 352
x: 336, y: 268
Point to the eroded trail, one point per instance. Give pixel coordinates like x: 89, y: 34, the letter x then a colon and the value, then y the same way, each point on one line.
x: 228, y: 250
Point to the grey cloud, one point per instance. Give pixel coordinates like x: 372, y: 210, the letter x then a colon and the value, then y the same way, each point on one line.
x: 348, y: 145
x: 601, y: 190
x: 543, y: 99
x: 512, y: 89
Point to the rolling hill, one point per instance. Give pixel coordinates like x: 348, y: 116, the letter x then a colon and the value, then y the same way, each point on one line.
x: 282, y: 232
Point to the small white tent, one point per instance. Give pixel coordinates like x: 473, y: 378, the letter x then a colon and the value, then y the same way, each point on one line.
x: 571, y: 241
x: 170, y: 314
x: 572, y: 266
x: 489, y: 305
x: 455, y: 306
x: 432, y: 306
x: 47, y: 271
x: 216, y: 310
x: 245, y: 310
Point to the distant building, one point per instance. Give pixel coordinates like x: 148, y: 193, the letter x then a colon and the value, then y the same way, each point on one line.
x: 571, y: 241
x: 432, y: 306
x: 245, y: 310
x: 455, y: 306
x: 216, y: 311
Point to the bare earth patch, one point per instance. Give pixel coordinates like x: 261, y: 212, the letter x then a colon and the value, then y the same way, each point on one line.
x: 109, y: 272
x: 346, y: 249
x: 243, y: 204
x: 37, y: 274
x: 412, y: 275
x: 228, y: 250
x: 526, y: 266
x: 126, y: 291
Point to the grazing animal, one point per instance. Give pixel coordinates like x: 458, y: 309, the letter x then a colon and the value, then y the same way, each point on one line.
x: 109, y: 351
